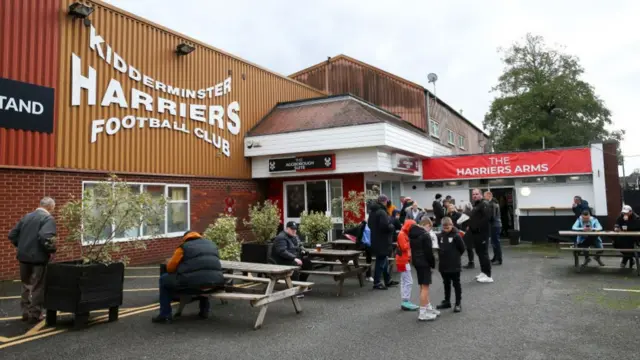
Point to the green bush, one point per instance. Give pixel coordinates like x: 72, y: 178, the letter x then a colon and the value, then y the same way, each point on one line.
x: 264, y: 221
x: 315, y: 226
x: 223, y: 233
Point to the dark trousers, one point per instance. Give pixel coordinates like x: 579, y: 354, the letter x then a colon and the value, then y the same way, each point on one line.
x: 495, y: 243
x: 481, y: 245
x: 306, y: 265
x: 382, y: 269
x: 590, y: 241
x: 167, y: 286
x: 448, y: 278
x: 368, y: 259
x: 625, y: 243
x: 468, y: 242
x: 32, y: 296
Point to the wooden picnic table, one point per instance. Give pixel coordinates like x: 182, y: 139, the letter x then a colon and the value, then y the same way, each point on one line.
x: 603, y: 253
x: 343, y: 245
x: 272, y: 275
x: 348, y: 260
x: 599, y: 233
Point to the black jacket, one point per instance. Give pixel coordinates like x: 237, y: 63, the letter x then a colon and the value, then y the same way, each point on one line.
x: 480, y: 218
x: 450, y: 249
x: 403, y: 211
x: 32, y: 236
x: 438, y: 212
x: 382, y: 230
x: 421, y: 247
x: 633, y: 224
x: 454, y: 217
x: 200, y: 264
x: 285, y: 248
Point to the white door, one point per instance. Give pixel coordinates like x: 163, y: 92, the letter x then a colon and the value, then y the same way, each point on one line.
x: 315, y: 195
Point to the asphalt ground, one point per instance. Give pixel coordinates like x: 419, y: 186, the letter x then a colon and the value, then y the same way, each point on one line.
x: 538, y: 308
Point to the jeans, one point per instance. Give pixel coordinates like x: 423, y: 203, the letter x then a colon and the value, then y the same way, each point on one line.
x: 495, y: 243
x: 480, y: 243
x: 168, y: 285
x: 382, y: 268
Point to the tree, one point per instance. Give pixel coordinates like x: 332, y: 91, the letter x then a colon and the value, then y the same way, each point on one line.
x: 541, y: 95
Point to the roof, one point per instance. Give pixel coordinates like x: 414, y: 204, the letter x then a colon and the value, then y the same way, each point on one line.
x: 395, y: 77
x: 324, y: 113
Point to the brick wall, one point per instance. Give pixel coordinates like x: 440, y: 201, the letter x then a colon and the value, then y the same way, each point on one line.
x: 21, y: 191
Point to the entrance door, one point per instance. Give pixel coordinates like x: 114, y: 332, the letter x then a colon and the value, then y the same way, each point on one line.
x: 315, y: 195
x: 295, y: 201
x: 507, y: 200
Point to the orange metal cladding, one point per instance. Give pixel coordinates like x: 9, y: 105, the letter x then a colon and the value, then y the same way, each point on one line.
x: 150, y: 49
x: 29, y: 41
x: 347, y: 75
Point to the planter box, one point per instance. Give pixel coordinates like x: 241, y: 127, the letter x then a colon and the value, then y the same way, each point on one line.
x: 81, y: 288
x: 514, y: 237
x: 255, y: 253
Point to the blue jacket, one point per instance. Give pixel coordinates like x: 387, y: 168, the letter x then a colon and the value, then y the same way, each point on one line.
x: 595, y: 225
x: 584, y: 205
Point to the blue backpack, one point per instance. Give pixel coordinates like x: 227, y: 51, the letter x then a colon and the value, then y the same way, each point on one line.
x: 366, y: 236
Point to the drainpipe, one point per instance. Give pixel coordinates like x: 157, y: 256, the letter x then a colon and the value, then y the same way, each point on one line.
x: 426, y: 93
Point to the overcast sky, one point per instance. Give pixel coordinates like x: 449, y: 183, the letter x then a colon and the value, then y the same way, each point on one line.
x: 455, y: 39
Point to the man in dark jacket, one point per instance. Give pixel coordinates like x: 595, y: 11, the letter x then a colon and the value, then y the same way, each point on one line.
x: 496, y: 228
x: 287, y: 250
x: 627, y: 221
x: 33, y: 236
x: 438, y: 210
x: 194, y: 265
x: 450, y: 250
x: 382, y: 231
x: 580, y: 205
x: 478, y: 229
x: 423, y: 261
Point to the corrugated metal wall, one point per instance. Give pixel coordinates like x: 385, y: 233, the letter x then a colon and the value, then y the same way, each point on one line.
x: 150, y: 50
x: 346, y: 76
x: 29, y: 42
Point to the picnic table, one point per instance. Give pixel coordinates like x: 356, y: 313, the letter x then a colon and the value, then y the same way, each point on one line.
x: 343, y: 245
x: 347, y: 260
x: 602, y: 252
x: 260, y: 298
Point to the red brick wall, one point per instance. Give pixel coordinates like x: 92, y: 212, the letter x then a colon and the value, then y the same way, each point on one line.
x: 21, y: 191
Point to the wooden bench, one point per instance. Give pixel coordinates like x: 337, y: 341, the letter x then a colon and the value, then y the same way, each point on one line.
x: 567, y: 244
x: 603, y: 253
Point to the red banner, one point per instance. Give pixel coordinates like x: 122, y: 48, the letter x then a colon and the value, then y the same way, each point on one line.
x: 520, y: 164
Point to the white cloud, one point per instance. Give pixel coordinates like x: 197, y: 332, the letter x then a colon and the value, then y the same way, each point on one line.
x: 457, y: 40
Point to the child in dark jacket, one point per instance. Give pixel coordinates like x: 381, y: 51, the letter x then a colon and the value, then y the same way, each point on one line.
x: 423, y: 261
x: 450, y: 249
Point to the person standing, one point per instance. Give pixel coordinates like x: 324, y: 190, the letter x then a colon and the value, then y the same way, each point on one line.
x: 423, y: 260
x: 405, y: 208
x: 382, y: 231
x: 33, y: 237
x: 478, y: 229
x: 414, y: 213
x: 580, y: 205
x: 403, y: 258
x: 466, y: 210
x: 438, y: 210
x: 496, y: 228
x: 450, y: 250
x: 453, y: 214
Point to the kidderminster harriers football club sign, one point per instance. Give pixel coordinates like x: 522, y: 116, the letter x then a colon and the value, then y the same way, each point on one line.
x: 520, y: 164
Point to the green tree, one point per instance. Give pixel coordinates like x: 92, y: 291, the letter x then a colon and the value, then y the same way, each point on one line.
x: 541, y: 94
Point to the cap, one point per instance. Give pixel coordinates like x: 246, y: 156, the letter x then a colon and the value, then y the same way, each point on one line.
x: 383, y: 198
x: 626, y: 209
x: 292, y: 225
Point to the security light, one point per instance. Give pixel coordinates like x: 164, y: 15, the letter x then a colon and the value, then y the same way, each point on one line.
x: 79, y: 10
x: 184, y: 49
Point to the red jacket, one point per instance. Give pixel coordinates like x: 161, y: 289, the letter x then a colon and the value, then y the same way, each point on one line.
x: 403, y: 255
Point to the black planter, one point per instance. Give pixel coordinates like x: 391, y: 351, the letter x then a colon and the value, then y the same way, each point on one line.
x: 255, y: 253
x: 514, y: 237
x: 81, y: 288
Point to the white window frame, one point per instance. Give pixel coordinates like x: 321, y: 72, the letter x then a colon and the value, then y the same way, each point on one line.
x: 165, y: 234
x: 327, y: 183
x: 461, y: 144
x: 434, y: 129
x: 451, y: 137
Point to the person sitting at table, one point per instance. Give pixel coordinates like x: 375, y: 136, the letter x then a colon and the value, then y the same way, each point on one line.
x: 587, y: 223
x: 627, y: 221
x: 287, y: 250
x: 195, y: 264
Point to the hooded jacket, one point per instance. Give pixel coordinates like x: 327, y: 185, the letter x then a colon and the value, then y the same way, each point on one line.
x: 582, y: 206
x: 421, y: 247
x: 196, y: 262
x: 450, y: 249
x: 403, y: 251
x: 382, y: 230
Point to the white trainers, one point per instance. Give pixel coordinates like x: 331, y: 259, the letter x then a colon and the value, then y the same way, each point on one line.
x: 485, y: 279
x: 427, y: 316
x: 431, y: 309
x: 350, y: 262
x: 370, y: 279
x: 481, y: 275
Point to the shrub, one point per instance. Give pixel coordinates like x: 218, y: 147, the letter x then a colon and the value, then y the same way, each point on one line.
x: 315, y: 226
x: 223, y: 233
x: 264, y: 221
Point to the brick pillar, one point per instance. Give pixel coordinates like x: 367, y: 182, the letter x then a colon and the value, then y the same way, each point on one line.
x: 612, y: 182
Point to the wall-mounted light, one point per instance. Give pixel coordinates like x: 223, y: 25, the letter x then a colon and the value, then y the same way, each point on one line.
x: 525, y: 191
x: 184, y: 49
x: 81, y: 11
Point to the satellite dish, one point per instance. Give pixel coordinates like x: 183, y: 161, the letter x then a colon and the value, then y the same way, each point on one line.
x: 432, y: 77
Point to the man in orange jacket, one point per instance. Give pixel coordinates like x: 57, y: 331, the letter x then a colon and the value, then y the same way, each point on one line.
x: 403, y: 258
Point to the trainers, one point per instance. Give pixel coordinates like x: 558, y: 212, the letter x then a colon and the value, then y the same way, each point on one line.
x: 485, y: 279
x: 392, y: 283
x: 432, y: 310
x: 369, y: 279
x: 457, y: 309
x: 427, y: 316
x: 470, y: 266
x: 409, y: 306
x: 444, y: 305
x: 379, y: 287
x: 481, y: 275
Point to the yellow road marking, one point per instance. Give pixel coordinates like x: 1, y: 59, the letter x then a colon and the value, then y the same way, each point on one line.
x: 9, y: 297
x: 64, y: 313
x: 34, y: 330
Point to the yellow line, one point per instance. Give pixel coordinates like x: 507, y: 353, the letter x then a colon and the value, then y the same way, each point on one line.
x: 9, y: 297
x: 23, y: 336
x: 34, y: 330
x: 11, y: 318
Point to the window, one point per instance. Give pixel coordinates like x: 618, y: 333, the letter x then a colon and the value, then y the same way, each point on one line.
x: 461, y: 141
x: 451, y: 137
x: 501, y: 182
x: 434, y: 129
x: 176, y: 219
x: 323, y: 196
x: 542, y: 180
x: 579, y: 179
x: 433, y: 184
x: 373, y: 188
